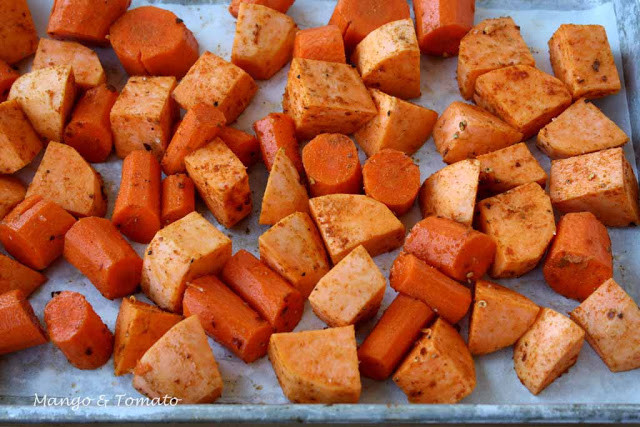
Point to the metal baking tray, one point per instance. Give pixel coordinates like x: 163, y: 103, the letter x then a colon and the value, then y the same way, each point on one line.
x: 588, y: 393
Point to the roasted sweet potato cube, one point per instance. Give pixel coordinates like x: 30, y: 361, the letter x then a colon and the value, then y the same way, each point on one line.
x: 279, y: 5
x: 221, y: 180
x: 399, y: 125
x: 214, y: 81
x: 8, y: 75
x: 602, y: 183
x: 351, y: 292
x: 85, y: 20
x: 547, y: 350
x: 388, y: 59
x: 508, y: 168
x: 293, y: 248
x: 451, y: 192
x: 523, y: 96
x: 491, y: 44
x: 14, y: 275
x: 499, y: 317
x: 439, y: 369
x: 317, y: 366
x: 581, y: 57
x: 12, y: 192
x: 19, y: 143
x: 465, y: 131
x: 263, y: 42
x: 46, y: 97
x: 142, y: 117
x: 522, y: 224
x: 347, y: 221
x: 611, y: 320
x: 579, y: 259
x: 64, y: 177
x: 326, y: 97
x: 18, y: 36
x: 320, y: 43
x: 186, y: 249
x: 84, y: 62
x: 581, y: 129
x: 285, y: 193
x: 441, y: 24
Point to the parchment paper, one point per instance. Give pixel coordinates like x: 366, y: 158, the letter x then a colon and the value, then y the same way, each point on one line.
x: 44, y: 370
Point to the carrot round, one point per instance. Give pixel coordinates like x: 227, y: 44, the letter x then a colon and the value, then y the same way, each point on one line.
x: 84, y: 20
x: 153, y: 41
x: 332, y: 166
x: 415, y: 278
x: 392, y: 337
x: 226, y: 318
x: 264, y: 290
x: 245, y: 146
x: 178, y: 198
x: 457, y: 250
x: 200, y: 125
x: 14, y: 275
x: 78, y: 331
x: 391, y: 177
x: 19, y: 326
x: 89, y: 130
x: 7, y: 76
x: 137, y: 210
x: 276, y: 131
x: 33, y: 232
x: 95, y: 247
x: 441, y: 24
x: 321, y: 43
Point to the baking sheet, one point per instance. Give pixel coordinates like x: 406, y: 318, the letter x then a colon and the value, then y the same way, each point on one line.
x: 44, y: 370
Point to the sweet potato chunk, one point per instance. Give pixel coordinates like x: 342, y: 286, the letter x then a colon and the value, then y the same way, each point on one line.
x: 602, y: 183
x: 398, y: 125
x: 189, y: 248
x: 67, y: 179
x: 491, y: 44
x: 84, y: 62
x: 8, y: 75
x: 547, y: 350
x: 12, y: 192
x: 439, y: 369
x: 243, y: 144
x: 279, y: 5
x: 85, y: 20
x: 317, y: 366
x: 263, y: 42
x: 522, y: 224
x: 46, y: 97
x: 508, y: 168
x: 465, y: 131
x: 499, y: 317
x: 214, y: 81
x: 221, y: 180
x: 523, y: 96
x: 388, y: 59
x: 18, y: 36
x: 14, y: 275
x: 611, y: 320
x: 326, y: 97
x: 293, y: 248
x: 347, y: 221
x: 451, y: 192
x: 180, y: 364
x: 284, y: 193
x: 351, y: 292
x: 581, y: 129
x: 143, y: 115
x: 320, y: 43
x: 19, y: 143
x: 580, y: 257
x: 581, y: 57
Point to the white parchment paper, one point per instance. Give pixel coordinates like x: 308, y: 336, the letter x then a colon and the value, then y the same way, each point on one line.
x: 44, y: 370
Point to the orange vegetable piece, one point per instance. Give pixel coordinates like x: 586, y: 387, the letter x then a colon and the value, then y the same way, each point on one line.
x: 95, y: 247
x: 321, y: 43
x: 7, y: 76
x: 579, y: 259
x: 89, y: 130
x: 455, y: 249
x: 392, y: 178
x: 178, y: 198
x: 19, y: 326
x: 137, y: 210
x: 264, y: 290
x: 413, y: 277
x: 393, y: 335
x: 12, y: 192
x: 200, y: 125
x: 14, y: 275
x: 332, y: 165
x: 275, y: 131
x: 78, y: 331
x: 153, y: 41
x: 441, y: 24
x: 279, y: 5
x: 33, y: 232
x: 18, y: 35
x: 227, y: 318
x: 85, y: 20
x: 244, y: 145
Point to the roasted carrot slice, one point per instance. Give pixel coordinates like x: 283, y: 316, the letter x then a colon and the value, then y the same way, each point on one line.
x: 441, y: 24
x: 178, y: 198
x: 276, y: 131
x: 14, y: 275
x: 19, y: 326
x: 244, y: 145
